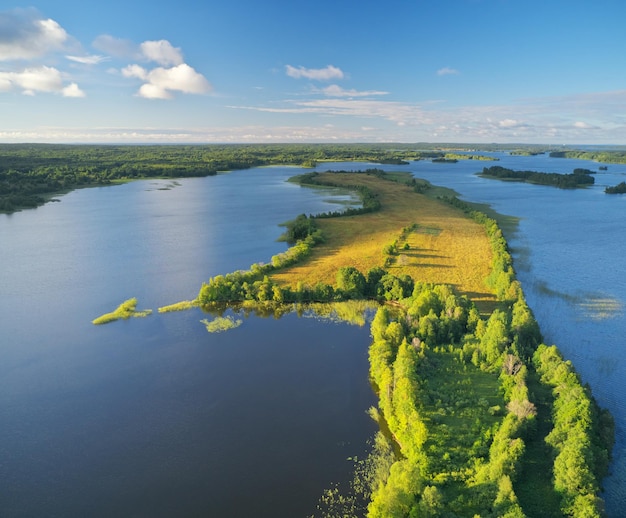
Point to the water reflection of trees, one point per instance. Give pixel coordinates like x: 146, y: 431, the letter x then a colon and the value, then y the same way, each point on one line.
x: 355, y: 312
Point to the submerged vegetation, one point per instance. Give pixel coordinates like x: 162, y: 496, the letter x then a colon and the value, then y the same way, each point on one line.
x: 220, y: 324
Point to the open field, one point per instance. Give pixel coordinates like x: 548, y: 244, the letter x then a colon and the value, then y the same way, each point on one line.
x: 446, y: 247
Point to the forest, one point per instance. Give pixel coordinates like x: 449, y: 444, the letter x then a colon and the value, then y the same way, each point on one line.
x: 578, y: 178
x: 31, y: 174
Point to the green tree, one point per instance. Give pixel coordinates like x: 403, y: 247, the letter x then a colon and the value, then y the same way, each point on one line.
x: 351, y: 282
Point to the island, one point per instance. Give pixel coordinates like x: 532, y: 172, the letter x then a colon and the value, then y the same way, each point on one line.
x: 620, y: 188
x: 579, y: 177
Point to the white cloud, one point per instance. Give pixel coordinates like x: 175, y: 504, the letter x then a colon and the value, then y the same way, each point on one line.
x: 38, y: 79
x: 337, y: 91
x: 447, y: 71
x: 161, y: 52
x: 135, y: 71
x: 508, y: 123
x: 25, y: 34
x: 318, y: 74
x: 88, y: 60
x: 72, y: 90
x: 161, y: 82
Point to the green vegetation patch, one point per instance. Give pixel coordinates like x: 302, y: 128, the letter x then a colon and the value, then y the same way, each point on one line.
x: 221, y: 324
x: 124, y: 311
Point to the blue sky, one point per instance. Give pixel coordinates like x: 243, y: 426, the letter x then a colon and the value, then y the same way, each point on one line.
x: 326, y: 71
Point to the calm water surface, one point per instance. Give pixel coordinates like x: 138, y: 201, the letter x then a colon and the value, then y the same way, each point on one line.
x: 155, y: 417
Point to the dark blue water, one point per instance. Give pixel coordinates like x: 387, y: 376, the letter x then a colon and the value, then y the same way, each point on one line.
x: 157, y: 417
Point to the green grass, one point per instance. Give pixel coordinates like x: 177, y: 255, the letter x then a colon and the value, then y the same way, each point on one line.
x: 178, y: 306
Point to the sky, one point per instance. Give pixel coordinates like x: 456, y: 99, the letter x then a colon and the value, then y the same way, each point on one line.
x: 256, y: 71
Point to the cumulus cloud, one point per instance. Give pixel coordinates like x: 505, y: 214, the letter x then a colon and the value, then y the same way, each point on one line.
x: 162, y: 52
x: 447, y: 71
x: 72, y: 90
x: 337, y: 91
x: 29, y: 80
x: 161, y: 82
x: 25, y: 34
x: 38, y: 79
x: 317, y: 74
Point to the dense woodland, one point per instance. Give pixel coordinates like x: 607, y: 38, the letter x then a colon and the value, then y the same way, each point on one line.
x: 579, y: 177
x: 31, y: 173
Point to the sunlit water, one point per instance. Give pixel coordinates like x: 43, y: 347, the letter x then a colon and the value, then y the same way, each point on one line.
x: 157, y: 417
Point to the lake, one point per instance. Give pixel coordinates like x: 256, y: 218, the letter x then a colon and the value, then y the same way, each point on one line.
x: 157, y: 417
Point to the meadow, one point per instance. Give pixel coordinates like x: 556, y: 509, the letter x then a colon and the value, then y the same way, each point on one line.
x: 434, y: 242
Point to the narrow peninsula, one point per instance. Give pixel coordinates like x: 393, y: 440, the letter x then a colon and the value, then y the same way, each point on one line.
x: 478, y: 417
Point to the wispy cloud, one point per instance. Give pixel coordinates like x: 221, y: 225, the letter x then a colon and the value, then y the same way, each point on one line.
x: 119, y: 48
x: 88, y: 60
x: 337, y: 91
x: 560, y: 119
x: 318, y: 74
x: 447, y: 71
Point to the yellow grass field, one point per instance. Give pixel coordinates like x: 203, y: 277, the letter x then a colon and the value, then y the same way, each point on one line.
x: 447, y: 247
